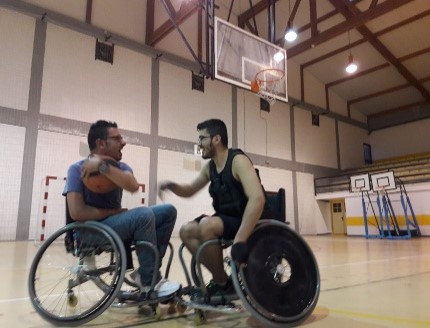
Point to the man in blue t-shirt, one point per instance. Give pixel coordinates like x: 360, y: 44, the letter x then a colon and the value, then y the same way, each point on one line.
x: 153, y: 224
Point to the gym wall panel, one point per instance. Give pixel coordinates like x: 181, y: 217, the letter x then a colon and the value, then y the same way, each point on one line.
x: 351, y: 141
x: 293, y: 74
x: 337, y: 104
x: 183, y: 168
x: 260, y: 132
x: 314, y: 91
x: 315, y: 144
x: 71, y: 8
x: 273, y: 179
x: 76, y: 86
x: 55, y: 152
x: 181, y: 108
x: 310, y: 215
x: 138, y: 158
x: 16, y: 50
x: 11, y: 153
x: 119, y: 17
x: 401, y: 140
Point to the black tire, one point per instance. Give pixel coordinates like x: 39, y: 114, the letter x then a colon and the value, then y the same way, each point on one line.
x: 280, y: 285
x: 63, y: 289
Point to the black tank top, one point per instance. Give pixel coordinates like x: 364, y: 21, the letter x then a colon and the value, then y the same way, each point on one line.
x: 228, y: 196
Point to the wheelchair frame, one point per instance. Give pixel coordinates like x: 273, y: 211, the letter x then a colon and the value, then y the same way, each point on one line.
x: 59, y: 276
x: 285, y: 263
x: 280, y: 269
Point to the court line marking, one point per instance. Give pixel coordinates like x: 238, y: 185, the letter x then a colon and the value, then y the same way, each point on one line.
x: 397, y: 320
x: 373, y: 261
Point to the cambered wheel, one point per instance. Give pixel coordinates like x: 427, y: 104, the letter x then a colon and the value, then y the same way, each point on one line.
x: 280, y: 284
x: 82, y: 262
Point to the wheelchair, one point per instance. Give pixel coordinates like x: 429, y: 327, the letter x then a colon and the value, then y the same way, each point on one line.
x: 279, y: 285
x: 79, y: 271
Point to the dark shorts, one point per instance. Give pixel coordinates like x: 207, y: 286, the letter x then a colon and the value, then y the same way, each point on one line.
x: 231, y: 224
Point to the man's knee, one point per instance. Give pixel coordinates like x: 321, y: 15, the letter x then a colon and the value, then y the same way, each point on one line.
x: 171, y: 210
x: 210, y: 228
x: 142, y: 216
x: 189, y: 231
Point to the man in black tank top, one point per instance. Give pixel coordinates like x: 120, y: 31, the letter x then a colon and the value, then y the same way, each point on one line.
x: 237, y: 198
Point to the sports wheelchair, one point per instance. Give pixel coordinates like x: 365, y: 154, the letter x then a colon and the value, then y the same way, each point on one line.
x: 79, y: 272
x: 279, y: 285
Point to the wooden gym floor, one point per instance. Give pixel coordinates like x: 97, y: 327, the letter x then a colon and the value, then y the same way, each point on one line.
x: 364, y: 283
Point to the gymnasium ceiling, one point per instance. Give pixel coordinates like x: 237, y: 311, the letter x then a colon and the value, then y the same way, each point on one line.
x: 389, y: 40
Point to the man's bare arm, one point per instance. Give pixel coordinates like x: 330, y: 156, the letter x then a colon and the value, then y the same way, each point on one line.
x: 79, y: 211
x: 122, y: 179
x: 187, y: 190
x: 244, y: 171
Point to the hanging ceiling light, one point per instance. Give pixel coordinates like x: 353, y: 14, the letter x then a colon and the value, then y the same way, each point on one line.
x: 351, y: 67
x: 291, y: 34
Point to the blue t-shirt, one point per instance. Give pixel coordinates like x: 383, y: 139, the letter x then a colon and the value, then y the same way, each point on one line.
x: 74, y: 183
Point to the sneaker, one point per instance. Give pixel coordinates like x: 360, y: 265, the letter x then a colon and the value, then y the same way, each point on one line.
x: 164, y: 287
x: 214, y: 289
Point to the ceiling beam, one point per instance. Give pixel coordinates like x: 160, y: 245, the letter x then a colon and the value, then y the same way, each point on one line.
x: 88, y: 11
x: 383, y: 92
x: 354, y: 22
x: 349, y: 12
x: 154, y: 36
x: 363, y: 40
x: 252, y: 12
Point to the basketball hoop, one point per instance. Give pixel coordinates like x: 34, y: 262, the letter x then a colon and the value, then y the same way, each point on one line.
x: 265, y: 83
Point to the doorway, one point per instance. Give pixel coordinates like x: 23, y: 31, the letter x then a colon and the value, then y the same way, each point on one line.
x: 338, y: 223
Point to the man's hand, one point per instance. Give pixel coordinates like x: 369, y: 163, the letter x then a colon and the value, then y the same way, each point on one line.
x: 240, y: 252
x: 90, y: 165
x: 163, y: 186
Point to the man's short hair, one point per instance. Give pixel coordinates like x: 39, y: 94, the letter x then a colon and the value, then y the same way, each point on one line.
x: 215, y: 126
x: 99, y: 130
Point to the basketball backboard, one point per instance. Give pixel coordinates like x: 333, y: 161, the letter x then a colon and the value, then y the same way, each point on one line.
x: 359, y: 183
x: 240, y: 56
x: 383, y: 181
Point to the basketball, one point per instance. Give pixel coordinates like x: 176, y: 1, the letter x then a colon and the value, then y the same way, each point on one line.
x: 254, y: 86
x: 99, y: 183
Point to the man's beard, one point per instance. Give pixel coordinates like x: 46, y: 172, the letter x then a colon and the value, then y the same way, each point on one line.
x: 209, y: 153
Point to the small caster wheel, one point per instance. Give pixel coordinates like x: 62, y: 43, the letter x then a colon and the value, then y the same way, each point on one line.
x: 146, y: 311
x: 199, y: 318
x: 158, y: 313
x: 181, y: 308
x: 72, y: 300
x: 172, y: 308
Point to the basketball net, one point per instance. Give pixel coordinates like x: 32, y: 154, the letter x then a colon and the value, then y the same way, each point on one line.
x: 265, y: 83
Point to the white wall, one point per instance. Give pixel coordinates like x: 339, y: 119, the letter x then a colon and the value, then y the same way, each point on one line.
x: 15, y: 63
x: 77, y: 88
x: 400, y: 140
x: 315, y: 144
x: 351, y: 140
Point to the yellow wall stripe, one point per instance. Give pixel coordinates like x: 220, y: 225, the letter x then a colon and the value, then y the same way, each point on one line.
x: 423, y: 220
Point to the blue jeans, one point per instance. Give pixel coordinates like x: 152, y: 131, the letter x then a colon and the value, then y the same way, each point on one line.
x: 153, y: 224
